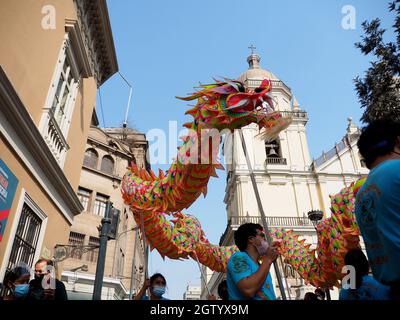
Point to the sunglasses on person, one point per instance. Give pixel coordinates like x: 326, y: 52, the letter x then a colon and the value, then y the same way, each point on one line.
x: 41, y: 271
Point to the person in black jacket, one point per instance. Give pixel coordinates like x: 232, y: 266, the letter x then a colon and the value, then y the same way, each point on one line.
x: 45, y: 286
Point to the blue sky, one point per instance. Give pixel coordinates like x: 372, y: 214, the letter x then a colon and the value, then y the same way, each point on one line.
x: 165, y: 48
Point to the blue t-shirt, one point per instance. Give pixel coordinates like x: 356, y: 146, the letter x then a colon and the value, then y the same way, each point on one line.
x: 370, y: 289
x: 378, y: 217
x: 240, y: 266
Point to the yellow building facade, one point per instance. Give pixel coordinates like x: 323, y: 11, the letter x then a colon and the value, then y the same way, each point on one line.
x: 54, y: 56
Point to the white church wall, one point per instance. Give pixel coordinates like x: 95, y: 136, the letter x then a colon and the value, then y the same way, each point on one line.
x: 259, y: 153
x: 348, y: 163
x: 296, y: 159
x: 281, y: 101
x: 315, y: 201
x: 334, y: 186
x: 247, y: 203
x: 303, y: 198
x: 278, y: 200
x: 333, y: 167
x: 284, y: 144
x: 304, y: 144
x: 323, y: 195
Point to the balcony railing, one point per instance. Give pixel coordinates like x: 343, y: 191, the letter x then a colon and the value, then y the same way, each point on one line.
x: 344, y: 143
x: 54, y: 138
x: 284, y: 222
x: 254, y: 83
x: 295, y: 114
x: 277, y: 161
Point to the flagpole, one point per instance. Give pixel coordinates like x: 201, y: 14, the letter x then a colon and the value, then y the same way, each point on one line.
x: 261, y: 209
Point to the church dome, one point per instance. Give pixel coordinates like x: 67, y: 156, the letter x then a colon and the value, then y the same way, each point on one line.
x: 255, y: 72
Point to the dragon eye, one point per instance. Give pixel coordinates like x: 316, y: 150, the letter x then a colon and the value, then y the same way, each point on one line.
x: 241, y: 88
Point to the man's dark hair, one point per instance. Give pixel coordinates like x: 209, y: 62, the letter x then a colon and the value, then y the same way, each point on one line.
x: 378, y: 139
x: 310, y: 296
x: 244, y: 232
x: 155, y: 276
x: 358, y: 260
x: 223, y: 290
x: 48, y: 262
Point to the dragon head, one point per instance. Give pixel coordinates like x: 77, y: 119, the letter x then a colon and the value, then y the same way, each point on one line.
x: 229, y: 105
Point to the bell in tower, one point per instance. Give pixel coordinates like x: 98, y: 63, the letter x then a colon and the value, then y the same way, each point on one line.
x: 272, y: 149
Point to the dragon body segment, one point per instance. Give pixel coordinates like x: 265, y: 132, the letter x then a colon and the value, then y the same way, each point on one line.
x: 227, y: 106
x: 221, y: 106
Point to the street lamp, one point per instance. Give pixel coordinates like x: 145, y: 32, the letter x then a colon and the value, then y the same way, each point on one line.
x: 83, y: 267
x: 315, y: 217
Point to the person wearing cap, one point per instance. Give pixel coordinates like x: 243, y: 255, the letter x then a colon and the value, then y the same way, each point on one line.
x: 16, y: 283
x: 378, y: 201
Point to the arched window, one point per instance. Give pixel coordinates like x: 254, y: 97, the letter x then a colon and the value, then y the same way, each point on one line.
x: 107, y: 165
x: 91, y: 158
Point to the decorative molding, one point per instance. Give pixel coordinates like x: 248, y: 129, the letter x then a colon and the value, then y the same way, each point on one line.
x: 80, y: 62
x: 24, y: 137
x: 277, y: 85
x: 99, y: 172
x: 95, y: 25
x: 107, y: 148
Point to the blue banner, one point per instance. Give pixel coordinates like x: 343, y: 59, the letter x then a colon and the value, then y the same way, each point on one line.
x: 8, y: 187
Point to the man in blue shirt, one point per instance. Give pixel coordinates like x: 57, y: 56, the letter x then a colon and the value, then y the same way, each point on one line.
x: 365, y: 286
x: 378, y: 201
x: 248, y: 275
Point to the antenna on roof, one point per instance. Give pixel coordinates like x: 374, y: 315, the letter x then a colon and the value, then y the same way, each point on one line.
x: 125, y: 124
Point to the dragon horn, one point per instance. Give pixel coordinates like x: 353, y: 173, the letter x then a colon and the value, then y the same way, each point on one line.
x: 205, y: 191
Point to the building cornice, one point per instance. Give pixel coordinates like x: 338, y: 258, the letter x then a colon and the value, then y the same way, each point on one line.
x: 41, y: 162
x: 97, y: 143
x: 95, y: 24
x: 101, y: 173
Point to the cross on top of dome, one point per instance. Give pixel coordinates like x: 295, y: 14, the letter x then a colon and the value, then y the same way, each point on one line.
x: 255, y: 72
x: 253, y: 59
x: 252, y: 48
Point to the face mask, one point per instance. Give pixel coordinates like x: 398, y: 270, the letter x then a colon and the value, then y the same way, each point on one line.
x: 158, y: 291
x: 21, y: 290
x: 39, y: 277
x: 262, y: 248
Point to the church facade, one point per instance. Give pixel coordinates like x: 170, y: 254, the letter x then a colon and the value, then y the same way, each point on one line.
x: 289, y: 181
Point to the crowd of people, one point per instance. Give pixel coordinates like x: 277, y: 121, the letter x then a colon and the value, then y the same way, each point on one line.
x: 248, y: 271
x: 17, y: 283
